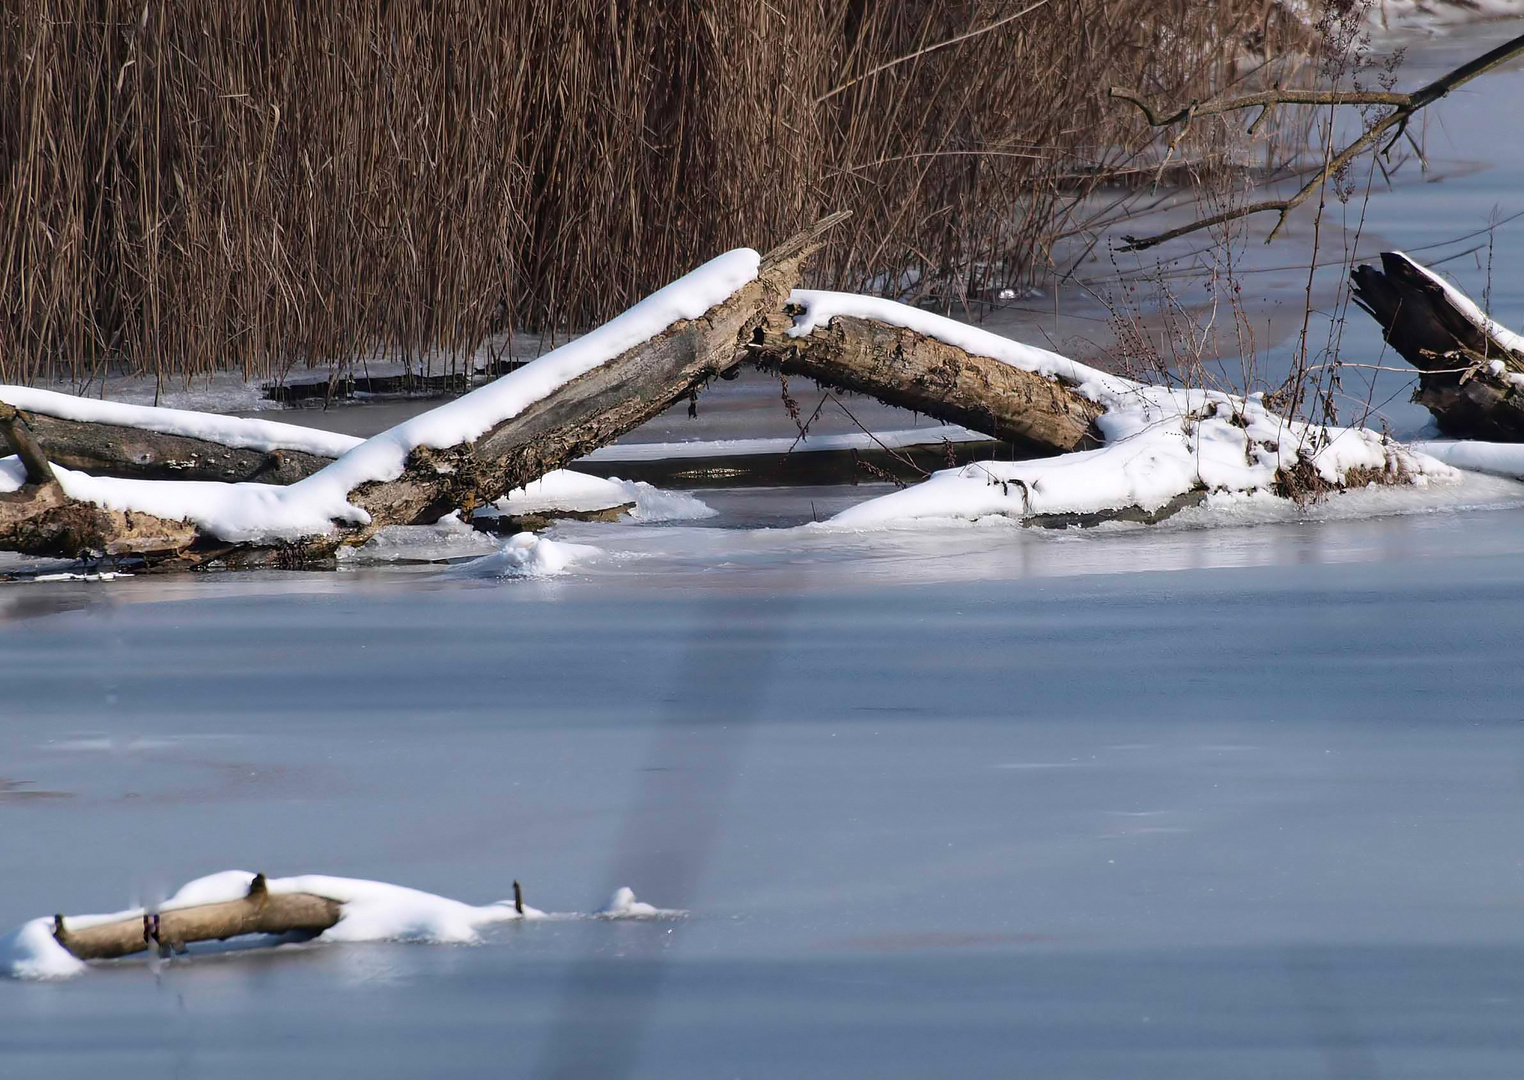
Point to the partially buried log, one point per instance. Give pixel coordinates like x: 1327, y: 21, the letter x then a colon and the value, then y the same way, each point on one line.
x: 260, y: 912
x: 901, y: 367
x: 1471, y: 371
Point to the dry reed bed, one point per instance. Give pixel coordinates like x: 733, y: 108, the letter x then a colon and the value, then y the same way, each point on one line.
x: 252, y: 185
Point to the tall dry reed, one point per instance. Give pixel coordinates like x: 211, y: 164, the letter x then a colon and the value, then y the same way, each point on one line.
x: 253, y: 185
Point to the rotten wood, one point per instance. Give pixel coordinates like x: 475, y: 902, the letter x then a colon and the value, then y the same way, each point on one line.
x: 259, y: 912
x: 1464, y: 370
x: 904, y: 368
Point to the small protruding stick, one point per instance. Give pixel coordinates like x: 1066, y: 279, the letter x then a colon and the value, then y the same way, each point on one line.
x: 518, y: 898
x: 13, y: 429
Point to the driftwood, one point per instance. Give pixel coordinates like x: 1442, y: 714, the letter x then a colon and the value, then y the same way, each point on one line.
x: 1464, y: 370
x: 901, y: 367
x: 260, y: 912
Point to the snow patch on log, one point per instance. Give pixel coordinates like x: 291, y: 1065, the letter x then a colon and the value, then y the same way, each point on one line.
x: 1468, y: 307
x: 568, y: 491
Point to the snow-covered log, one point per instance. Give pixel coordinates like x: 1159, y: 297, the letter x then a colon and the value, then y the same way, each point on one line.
x: 1471, y: 369
x: 1161, y: 448
x: 107, y: 438
x: 258, y: 912
x: 858, y: 349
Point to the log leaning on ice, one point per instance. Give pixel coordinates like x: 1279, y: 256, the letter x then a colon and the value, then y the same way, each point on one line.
x: 260, y: 912
x: 1471, y: 370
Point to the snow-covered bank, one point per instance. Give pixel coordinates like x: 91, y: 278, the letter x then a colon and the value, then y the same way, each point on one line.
x: 371, y: 911
x: 1162, y: 443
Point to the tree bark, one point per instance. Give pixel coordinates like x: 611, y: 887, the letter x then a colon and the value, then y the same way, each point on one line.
x: 1464, y: 370
x: 260, y: 912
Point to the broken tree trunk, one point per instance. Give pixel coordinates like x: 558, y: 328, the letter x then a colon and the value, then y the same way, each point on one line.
x: 901, y: 367
x: 260, y: 912
x: 1471, y: 371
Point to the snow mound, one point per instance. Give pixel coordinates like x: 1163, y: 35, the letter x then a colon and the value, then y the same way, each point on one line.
x: 624, y: 905
x: 32, y: 952
x: 525, y: 555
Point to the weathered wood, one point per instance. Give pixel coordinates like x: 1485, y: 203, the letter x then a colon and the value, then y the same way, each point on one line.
x: 260, y: 912
x: 136, y: 453
x: 1456, y: 357
x: 904, y: 368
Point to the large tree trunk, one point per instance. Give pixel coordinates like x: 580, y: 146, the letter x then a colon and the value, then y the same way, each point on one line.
x: 1470, y: 379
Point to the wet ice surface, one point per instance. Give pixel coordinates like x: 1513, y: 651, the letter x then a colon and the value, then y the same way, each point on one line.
x: 954, y: 801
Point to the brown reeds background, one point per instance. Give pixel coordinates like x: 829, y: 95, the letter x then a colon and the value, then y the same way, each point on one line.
x: 254, y: 185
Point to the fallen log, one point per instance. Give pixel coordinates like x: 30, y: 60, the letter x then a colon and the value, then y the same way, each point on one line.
x: 260, y: 912
x: 1471, y: 370
x: 901, y: 367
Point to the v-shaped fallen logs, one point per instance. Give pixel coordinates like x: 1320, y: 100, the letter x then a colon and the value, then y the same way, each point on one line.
x: 458, y: 456
x: 1471, y: 369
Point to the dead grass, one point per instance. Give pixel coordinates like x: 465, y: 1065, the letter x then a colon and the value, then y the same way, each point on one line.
x: 255, y: 186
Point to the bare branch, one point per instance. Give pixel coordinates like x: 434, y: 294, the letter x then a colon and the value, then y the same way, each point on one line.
x: 1403, y: 108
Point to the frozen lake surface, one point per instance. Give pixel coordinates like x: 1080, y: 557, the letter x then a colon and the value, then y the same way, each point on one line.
x: 1199, y: 800
x: 986, y: 802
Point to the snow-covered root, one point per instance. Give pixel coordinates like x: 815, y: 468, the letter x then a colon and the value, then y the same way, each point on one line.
x: 369, y: 911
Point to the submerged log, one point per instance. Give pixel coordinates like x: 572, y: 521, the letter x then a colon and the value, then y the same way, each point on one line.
x: 260, y: 912
x: 1471, y: 371
x: 901, y: 367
